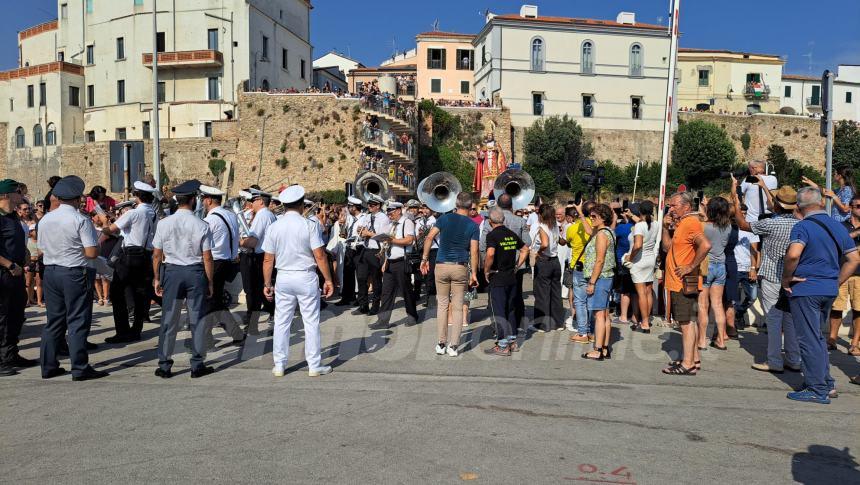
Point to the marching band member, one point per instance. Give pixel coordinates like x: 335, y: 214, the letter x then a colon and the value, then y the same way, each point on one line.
x: 350, y: 231
x: 251, y: 263
x: 133, y: 270
x: 369, y: 267
x: 394, y: 272
x: 224, y: 226
x: 294, y: 246
x: 184, y: 243
x: 423, y: 224
x: 68, y: 239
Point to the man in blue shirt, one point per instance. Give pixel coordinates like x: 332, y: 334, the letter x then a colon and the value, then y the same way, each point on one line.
x: 820, y: 257
x: 456, y: 269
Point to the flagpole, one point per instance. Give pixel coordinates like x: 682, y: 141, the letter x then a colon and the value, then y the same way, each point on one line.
x: 156, y: 142
x: 669, y: 112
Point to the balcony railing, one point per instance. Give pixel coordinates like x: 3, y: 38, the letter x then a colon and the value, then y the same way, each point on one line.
x: 391, y: 171
x: 813, y: 101
x: 757, y: 90
x: 406, y: 89
x: 188, y: 59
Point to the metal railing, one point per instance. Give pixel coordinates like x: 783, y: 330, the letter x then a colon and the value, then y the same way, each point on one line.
x: 391, y: 107
x: 756, y: 90
x: 390, y: 140
x: 392, y: 172
x: 813, y: 101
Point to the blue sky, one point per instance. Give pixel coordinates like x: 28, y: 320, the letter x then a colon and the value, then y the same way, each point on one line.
x: 370, y: 30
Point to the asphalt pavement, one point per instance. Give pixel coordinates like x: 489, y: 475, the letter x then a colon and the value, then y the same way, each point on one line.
x: 394, y: 412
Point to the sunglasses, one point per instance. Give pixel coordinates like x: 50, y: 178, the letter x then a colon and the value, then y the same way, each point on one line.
x: 593, y: 216
x: 855, y: 206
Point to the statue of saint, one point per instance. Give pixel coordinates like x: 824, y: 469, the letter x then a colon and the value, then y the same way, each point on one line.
x: 490, y: 163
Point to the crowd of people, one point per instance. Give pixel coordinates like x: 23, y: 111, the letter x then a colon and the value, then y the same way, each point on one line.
x: 592, y: 264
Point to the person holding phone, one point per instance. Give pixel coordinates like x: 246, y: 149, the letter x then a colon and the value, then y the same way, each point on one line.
x: 755, y: 188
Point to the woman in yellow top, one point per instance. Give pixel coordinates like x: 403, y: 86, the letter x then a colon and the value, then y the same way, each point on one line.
x: 577, y: 236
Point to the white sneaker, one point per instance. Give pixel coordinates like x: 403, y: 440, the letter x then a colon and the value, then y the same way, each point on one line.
x: 452, y: 352
x: 326, y: 369
x: 568, y: 325
x: 278, y: 371
x: 440, y: 349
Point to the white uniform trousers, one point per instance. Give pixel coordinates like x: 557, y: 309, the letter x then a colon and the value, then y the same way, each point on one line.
x: 297, y: 288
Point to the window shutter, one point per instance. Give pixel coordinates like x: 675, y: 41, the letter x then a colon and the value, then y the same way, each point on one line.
x: 429, y: 59
x: 443, y: 57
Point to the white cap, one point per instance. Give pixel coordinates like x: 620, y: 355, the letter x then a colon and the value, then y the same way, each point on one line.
x: 209, y: 190
x: 123, y: 205
x: 144, y: 187
x: 292, y: 194
x: 393, y: 205
x: 375, y: 199
x: 354, y: 201
x: 309, y: 202
x: 245, y: 195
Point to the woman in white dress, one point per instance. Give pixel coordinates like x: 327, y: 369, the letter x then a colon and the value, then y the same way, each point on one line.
x: 642, y: 259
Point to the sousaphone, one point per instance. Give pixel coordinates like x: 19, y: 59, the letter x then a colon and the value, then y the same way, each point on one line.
x: 439, y: 192
x: 516, y: 183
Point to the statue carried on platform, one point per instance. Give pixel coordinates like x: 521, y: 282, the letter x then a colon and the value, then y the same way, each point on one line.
x: 490, y: 163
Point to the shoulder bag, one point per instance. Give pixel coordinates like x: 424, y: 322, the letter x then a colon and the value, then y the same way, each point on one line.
x: 690, y: 282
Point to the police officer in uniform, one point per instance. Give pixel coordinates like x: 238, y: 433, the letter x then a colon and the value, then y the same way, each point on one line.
x: 133, y: 270
x: 184, y: 244
x: 368, y: 270
x: 294, y: 246
x: 68, y: 239
x: 394, y: 272
x: 347, y: 290
x: 13, y: 295
x: 225, y: 252
x: 251, y: 262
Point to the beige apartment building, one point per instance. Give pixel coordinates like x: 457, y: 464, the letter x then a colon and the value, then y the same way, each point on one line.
x: 445, y: 66
x: 87, y: 76
x: 729, y: 82
x: 605, y: 74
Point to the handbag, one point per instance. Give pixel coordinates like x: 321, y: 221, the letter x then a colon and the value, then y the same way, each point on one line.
x: 690, y: 282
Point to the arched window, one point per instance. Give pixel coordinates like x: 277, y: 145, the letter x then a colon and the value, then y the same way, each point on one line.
x: 537, y: 55
x: 265, y: 85
x: 588, y: 57
x: 37, y: 136
x: 636, y: 60
x: 20, y: 138
x: 51, y: 135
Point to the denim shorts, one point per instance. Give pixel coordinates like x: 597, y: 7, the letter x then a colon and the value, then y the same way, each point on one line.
x: 599, y: 300
x: 716, y: 275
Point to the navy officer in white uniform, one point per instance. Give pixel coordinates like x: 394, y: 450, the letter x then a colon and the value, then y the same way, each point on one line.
x: 293, y: 245
x: 225, y: 254
x: 368, y: 270
x: 395, y: 277
x: 68, y: 239
x: 251, y: 262
x: 184, y: 243
x: 133, y: 270
x: 350, y: 231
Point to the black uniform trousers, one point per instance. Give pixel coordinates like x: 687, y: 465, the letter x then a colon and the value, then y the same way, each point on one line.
x: 13, y: 299
x: 132, y: 278
x: 428, y: 280
x: 217, y: 312
x: 549, y: 309
x: 68, y: 294
x: 347, y: 286
x: 519, y: 300
x: 394, y: 279
x: 251, y: 267
x: 368, y: 270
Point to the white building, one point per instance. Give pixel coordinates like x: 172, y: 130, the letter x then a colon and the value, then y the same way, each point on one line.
x: 605, y: 74
x: 335, y: 59
x: 87, y: 76
x: 802, y: 94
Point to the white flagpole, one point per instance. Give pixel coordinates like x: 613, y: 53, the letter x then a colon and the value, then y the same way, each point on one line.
x: 156, y: 145
x: 670, y: 111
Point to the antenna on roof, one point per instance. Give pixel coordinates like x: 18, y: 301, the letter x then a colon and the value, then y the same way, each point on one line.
x: 436, y: 25
x: 811, y: 45
x: 393, y: 47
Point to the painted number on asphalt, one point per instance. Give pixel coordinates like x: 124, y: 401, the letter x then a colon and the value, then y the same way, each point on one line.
x: 591, y: 473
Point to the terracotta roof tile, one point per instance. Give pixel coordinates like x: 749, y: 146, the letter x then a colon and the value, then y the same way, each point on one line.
x: 581, y: 21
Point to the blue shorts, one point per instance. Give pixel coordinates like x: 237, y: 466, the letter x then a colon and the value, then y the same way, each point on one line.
x: 599, y: 300
x: 716, y: 275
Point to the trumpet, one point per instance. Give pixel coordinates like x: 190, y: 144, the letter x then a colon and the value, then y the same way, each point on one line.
x: 311, y: 210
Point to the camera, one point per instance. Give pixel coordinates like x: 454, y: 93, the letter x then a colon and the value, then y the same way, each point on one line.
x: 738, y: 174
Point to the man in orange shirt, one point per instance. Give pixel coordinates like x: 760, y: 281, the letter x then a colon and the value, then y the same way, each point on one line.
x: 686, y: 249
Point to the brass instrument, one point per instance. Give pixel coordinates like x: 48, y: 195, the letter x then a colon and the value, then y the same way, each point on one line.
x: 439, y: 191
x: 311, y: 210
x: 516, y: 183
x: 235, y: 205
x: 199, y: 210
x: 371, y: 184
x: 422, y: 234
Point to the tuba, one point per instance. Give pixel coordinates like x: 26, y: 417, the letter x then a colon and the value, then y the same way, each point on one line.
x: 516, y: 183
x: 235, y: 205
x: 439, y: 191
x: 368, y: 184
